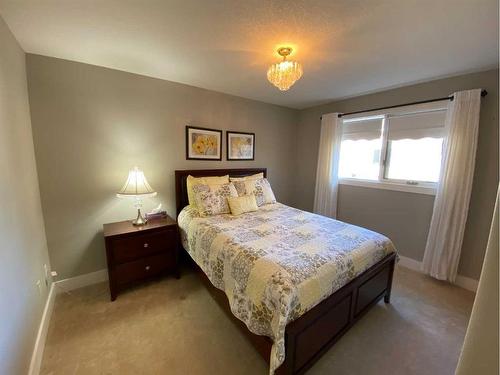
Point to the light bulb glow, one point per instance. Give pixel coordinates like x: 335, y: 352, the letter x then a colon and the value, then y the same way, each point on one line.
x: 136, y: 185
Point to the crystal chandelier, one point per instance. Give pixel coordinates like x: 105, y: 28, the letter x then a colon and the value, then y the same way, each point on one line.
x: 284, y: 74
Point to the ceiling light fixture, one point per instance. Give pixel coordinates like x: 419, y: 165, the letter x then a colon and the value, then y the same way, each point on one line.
x: 284, y: 74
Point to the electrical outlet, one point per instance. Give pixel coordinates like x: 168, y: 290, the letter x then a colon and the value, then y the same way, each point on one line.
x: 47, y: 275
x: 39, y: 285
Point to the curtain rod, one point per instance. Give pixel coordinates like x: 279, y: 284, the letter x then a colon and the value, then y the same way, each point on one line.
x: 483, y: 93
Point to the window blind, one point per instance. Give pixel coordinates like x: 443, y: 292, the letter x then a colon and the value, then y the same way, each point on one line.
x: 416, y: 126
x: 367, y: 129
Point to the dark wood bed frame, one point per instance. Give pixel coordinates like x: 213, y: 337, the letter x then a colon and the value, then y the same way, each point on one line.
x: 312, y: 334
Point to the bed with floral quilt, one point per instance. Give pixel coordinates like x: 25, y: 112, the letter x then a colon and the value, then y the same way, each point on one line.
x: 297, y: 278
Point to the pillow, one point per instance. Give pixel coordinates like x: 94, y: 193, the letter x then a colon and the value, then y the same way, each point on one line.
x: 240, y: 205
x: 193, y: 181
x: 212, y: 199
x: 260, y: 188
x: 246, y: 178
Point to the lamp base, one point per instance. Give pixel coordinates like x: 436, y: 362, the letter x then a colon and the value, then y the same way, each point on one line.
x: 139, y: 219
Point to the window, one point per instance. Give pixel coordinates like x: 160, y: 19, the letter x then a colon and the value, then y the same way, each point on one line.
x: 360, y: 148
x: 393, y: 149
x: 414, y: 159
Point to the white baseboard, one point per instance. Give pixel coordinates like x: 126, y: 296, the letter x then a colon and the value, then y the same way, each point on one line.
x: 410, y: 263
x: 467, y: 283
x: 461, y: 281
x: 36, y: 357
x: 80, y: 281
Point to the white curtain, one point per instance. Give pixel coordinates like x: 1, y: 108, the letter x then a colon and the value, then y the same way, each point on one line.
x: 444, y: 243
x: 325, y: 197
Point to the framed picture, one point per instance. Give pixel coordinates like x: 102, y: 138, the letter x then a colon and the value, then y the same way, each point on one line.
x: 203, y: 144
x: 240, y: 146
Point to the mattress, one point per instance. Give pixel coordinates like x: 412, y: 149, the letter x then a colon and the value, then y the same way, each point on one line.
x: 277, y: 263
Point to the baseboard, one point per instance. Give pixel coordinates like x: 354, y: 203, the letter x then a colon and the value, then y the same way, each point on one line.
x: 467, y: 283
x: 36, y: 357
x: 410, y: 263
x: 80, y: 281
x: 461, y: 281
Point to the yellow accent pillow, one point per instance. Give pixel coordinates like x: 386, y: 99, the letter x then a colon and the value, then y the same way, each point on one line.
x: 192, y: 181
x: 240, y: 205
x: 247, y: 178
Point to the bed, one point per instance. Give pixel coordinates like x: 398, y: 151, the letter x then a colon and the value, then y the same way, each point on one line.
x: 293, y: 281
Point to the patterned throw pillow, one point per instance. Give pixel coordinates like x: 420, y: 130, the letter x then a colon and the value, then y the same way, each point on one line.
x: 260, y: 188
x: 193, y: 181
x: 212, y: 199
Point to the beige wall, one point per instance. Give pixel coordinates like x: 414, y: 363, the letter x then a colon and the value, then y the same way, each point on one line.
x: 92, y: 124
x: 405, y: 217
x: 23, y: 251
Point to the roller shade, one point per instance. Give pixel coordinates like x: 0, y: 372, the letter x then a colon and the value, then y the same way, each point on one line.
x: 416, y: 126
x: 362, y: 129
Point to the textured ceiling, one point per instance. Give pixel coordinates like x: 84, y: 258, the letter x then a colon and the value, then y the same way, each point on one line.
x: 346, y: 47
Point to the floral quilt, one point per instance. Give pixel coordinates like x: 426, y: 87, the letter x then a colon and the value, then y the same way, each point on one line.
x: 277, y: 263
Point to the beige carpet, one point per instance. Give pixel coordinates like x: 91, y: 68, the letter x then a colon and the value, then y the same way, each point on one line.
x: 174, y: 327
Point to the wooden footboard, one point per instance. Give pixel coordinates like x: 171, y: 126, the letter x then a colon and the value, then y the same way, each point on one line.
x: 312, y: 334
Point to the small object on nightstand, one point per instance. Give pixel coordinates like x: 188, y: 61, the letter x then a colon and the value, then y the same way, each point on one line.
x: 135, y: 253
x: 156, y: 215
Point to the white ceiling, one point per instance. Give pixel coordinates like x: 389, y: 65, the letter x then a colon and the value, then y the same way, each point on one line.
x: 347, y: 47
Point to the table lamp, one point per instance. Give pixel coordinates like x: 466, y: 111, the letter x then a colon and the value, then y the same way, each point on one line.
x: 136, y: 187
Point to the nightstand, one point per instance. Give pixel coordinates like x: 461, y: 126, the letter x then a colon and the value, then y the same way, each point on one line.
x: 136, y: 253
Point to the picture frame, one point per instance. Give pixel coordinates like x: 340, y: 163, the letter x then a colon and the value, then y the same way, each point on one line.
x: 203, y: 143
x: 240, y: 145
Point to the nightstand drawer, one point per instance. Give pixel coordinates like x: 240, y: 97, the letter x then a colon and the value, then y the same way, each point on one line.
x: 137, y: 247
x: 143, y: 268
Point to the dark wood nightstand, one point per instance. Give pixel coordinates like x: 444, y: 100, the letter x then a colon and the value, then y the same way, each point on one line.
x: 136, y: 253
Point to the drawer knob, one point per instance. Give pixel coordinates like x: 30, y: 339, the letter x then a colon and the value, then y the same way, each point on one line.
x: 146, y: 245
x: 147, y: 268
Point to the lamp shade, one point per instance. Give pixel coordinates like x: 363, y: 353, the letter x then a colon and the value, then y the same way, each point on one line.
x: 136, y: 185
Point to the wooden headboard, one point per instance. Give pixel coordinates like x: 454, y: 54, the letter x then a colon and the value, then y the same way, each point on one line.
x: 181, y: 198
